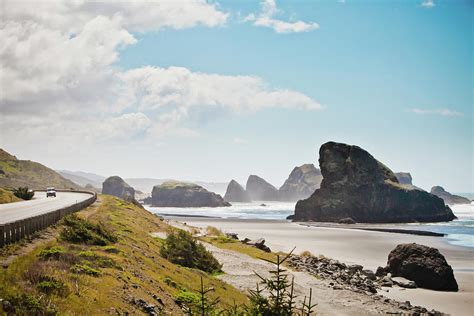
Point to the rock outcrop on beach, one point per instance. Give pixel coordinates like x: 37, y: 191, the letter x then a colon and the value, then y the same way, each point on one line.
x: 117, y: 187
x: 182, y: 194
x: 236, y: 193
x: 426, y: 266
x: 449, y: 198
x: 355, y: 185
x: 260, y: 190
x: 301, y: 183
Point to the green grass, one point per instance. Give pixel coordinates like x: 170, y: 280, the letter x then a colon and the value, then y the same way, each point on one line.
x: 235, y: 245
x: 97, y: 278
x: 177, y: 184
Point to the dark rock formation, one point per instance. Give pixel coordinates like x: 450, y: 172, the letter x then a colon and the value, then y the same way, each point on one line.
x: 260, y: 190
x: 236, y: 193
x: 181, y: 194
x: 301, y: 183
x: 117, y: 187
x: 424, y: 265
x: 449, y: 198
x: 358, y: 186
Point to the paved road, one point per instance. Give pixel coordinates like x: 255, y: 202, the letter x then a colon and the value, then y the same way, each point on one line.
x: 11, y: 212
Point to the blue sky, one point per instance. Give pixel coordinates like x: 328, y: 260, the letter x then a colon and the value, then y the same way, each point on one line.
x: 394, y: 77
x: 368, y: 64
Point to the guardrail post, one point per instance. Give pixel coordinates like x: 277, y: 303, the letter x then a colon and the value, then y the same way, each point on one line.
x: 2, y: 235
x: 7, y: 234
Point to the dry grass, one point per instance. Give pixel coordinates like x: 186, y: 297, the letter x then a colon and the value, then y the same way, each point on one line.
x: 213, y: 231
x: 129, y: 269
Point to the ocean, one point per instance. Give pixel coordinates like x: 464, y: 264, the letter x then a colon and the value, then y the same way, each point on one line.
x: 458, y: 232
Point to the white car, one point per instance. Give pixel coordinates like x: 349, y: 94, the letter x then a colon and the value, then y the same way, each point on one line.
x: 50, y: 192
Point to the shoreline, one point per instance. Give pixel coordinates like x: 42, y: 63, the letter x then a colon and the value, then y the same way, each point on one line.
x: 356, y: 246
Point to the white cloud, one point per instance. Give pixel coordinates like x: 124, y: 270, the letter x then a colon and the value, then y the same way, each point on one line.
x: 443, y: 112
x: 428, y: 4
x: 137, y: 15
x: 266, y: 18
x: 59, y: 75
x: 239, y: 140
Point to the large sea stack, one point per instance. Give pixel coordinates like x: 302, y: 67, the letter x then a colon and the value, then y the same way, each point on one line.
x: 355, y: 185
x: 117, y: 187
x: 301, y: 183
x: 182, y: 194
x: 449, y: 198
x: 260, y: 190
x: 236, y: 193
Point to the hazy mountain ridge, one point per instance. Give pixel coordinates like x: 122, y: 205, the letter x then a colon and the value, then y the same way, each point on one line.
x: 15, y: 173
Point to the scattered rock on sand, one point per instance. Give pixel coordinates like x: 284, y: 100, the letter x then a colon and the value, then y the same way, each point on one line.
x: 257, y: 243
x: 402, y: 282
x: 424, y: 265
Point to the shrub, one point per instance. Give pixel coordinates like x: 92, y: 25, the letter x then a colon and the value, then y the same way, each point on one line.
x: 53, y: 252
x: 85, y: 269
x: 95, y: 260
x: 182, y: 249
x: 23, y: 193
x: 168, y: 281
x: 50, y: 285
x: 78, y: 230
x: 213, y: 231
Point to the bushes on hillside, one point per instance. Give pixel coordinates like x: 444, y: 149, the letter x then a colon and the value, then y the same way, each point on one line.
x: 78, y: 230
x: 23, y: 193
x: 181, y: 248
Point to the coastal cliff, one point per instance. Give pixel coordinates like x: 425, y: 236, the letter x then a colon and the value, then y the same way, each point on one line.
x: 301, y: 183
x: 181, y: 194
x: 355, y: 185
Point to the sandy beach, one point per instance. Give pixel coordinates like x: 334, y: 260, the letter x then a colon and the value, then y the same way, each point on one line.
x: 368, y: 248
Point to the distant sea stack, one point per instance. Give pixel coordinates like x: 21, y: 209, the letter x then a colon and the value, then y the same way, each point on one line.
x: 404, y: 178
x: 449, y: 198
x: 182, y: 194
x: 260, y: 190
x: 355, y: 185
x: 117, y: 187
x: 301, y: 183
x: 236, y: 193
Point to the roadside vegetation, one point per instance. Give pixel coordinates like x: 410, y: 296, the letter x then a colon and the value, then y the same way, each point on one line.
x: 181, y: 248
x: 24, y: 193
x: 104, y: 260
x: 7, y: 196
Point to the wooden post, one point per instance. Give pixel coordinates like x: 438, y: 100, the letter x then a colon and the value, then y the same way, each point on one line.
x: 2, y: 236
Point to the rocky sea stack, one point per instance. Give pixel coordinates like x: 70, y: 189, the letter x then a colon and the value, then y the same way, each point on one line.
x: 355, y: 185
x: 301, y: 183
x: 449, y: 198
x: 117, y: 187
x: 236, y: 193
x: 260, y: 190
x: 182, y: 194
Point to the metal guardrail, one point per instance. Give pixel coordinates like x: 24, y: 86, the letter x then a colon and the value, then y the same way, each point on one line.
x: 14, y: 231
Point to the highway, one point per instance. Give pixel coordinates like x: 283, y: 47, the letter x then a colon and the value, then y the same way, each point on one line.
x: 11, y: 212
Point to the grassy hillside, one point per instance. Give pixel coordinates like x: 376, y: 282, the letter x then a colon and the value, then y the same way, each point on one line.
x: 123, y: 272
x: 6, y: 196
x: 15, y: 173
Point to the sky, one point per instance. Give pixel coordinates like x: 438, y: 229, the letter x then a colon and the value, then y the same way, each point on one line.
x: 218, y: 90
